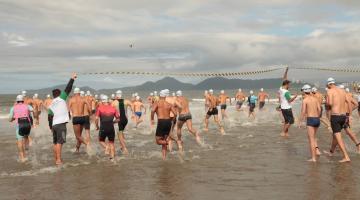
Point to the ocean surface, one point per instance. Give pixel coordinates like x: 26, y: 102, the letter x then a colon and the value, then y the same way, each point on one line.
x: 251, y: 161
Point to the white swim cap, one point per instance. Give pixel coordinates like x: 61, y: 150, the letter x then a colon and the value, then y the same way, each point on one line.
x: 48, y: 96
x: 211, y: 91
x: 314, y: 89
x: 173, y: 94
x: 82, y: 93
x: 112, y: 96
x: 20, y: 98
x: 77, y: 91
x: 155, y: 93
x: 162, y: 93
x: 331, y: 81
x: 251, y: 92
x: 136, y: 94
x: 23, y: 93
x: 167, y: 91
x: 96, y: 96
x: 306, y: 88
x: 137, y: 98
x: 36, y: 95
x: 262, y: 89
x: 341, y: 86
x: 347, y: 89
x: 119, y: 93
x: 151, y: 94
x: 88, y: 93
x: 240, y: 90
x: 104, y: 98
x: 222, y: 92
x: 179, y: 93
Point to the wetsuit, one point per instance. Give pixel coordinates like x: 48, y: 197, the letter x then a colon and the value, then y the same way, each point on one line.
x: 123, y: 120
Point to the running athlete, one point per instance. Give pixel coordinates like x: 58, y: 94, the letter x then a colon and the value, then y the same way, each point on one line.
x: 262, y: 96
x: 185, y: 118
x: 240, y: 98
x: 252, y: 99
x: 59, y: 117
x: 320, y: 99
x: 121, y: 105
x: 20, y: 113
x: 137, y: 108
x: 223, y: 100
x: 77, y: 106
x: 162, y: 109
x: 311, y: 110
x: 105, y: 114
x: 47, y: 101
x: 89, y: 111
x: 37, y: 106
x: 212, y: 111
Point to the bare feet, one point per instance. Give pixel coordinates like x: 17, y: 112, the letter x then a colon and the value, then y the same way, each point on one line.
x: 282, y: 134
x: 344, y: 160
x: 222, y: 131
x: 318, y: 153
x: 206, y: 129
x: 125, y: 151
x: 58, y: 162
x: 312, y: 160
x: 198, y: 140
x: 107, y: 150
x: 328, y: 153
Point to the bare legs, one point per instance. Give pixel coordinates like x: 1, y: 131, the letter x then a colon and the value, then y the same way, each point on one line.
x: 314, y: 150
x: 57, y: 154
x: 21, y: 148
x: 122, y: 142
x: 78, y: 130
x: 285, y: 131
x: 216, y: 119
x: 163, y: 142
x: 337, y: 140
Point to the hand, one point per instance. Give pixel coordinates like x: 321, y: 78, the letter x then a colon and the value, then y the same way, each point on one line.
x: 74, y: 76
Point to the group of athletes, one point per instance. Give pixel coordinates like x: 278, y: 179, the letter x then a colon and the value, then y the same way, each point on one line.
x: 172, y: 113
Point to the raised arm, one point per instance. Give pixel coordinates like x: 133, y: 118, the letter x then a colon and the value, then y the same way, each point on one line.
x: 285, y: 77
x: 70, y: 84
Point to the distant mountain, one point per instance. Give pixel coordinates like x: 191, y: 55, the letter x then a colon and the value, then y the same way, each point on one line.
x: 173, y: 84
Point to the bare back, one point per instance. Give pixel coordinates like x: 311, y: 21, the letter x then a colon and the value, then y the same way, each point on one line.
x: 212, y: 101
x: 162, y: 109
x: 311, y: 106
x: 337, y: 101
x: 262, y: 96
x: 77, y: 106
x: 184, y: 103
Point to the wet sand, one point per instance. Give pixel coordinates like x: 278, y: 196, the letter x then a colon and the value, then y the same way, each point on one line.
x: 250, y: 162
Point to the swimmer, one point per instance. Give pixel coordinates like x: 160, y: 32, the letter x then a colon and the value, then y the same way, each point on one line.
x: 162, y: 109
x: 206, y: 94
x: 77, y: 106
x: 89, y: 111
x: 240, y: 99
x: 150, y: 100
x: 311, y: 110
x: 212, y: 111
x: 285, y: 104
x: 20, y: 113
x: 37, y: 106
x: 121, y: 105
x: 262, y: 96
x: 172, y: 100
x: 105, y: 114
x: 185, y: 118
x: 137, y: 108
x: 59, y: 117
x: 337, y: 100
x: 252, y: 99
x: 47, y: 102
x: 223, y: 100
x: 320, y: 99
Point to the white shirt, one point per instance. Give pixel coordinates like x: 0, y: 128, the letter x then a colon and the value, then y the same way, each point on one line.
x: 284, y: 102
x: 60, y: 110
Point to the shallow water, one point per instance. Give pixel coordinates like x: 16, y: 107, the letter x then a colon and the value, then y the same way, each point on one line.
x: 250, y: 162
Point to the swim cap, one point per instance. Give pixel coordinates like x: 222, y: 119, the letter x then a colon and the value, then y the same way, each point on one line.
x: 341, y: 86
x: 104, y: 98
x: 240, y: 90
x: 314, y: 89
x: 179, y: 93
x: 20, y: 98
x: 23, y: 93
x: 347, y: 89
x: 251, y: 92
x: 262, y: 89
x: 96, y: 96
x: 112, y: 96
x: 151, y: 94
x: 137, y: 98
x: 162, y: 93
x: 167, y: 92
x: 306, y: 88
x: 118, y: 93
x: 48, y: 96
x: 173, y: 94
x: 155, y: 93
x: 36, y: 96
x: 82, y: 93
x: 331, y: 81
x: 77, y: 91
x: 222, y: 92
x: 88, y: 93
x: 211, y: 91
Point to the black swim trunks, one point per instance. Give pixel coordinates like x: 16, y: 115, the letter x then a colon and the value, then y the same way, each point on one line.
x: 184, y: 117
x: 78, y: 120
x: 337, y: 122
x: 93, y: 112
x: 223, y: 107
x: 107, y: 130
x: 239, y: 103
x: 163, y: 128
x: 288, y: 116
x: 261, y: 104
x: 87, y: 122
x: 24, y: 126
x: 59, y: 133
x: 252, y: 107
x: 213, y: 111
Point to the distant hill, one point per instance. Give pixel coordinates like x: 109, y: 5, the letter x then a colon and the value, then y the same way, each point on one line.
x: 173, y: 84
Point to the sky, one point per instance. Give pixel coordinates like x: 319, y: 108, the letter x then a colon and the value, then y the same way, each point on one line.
x: 42, y: 42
